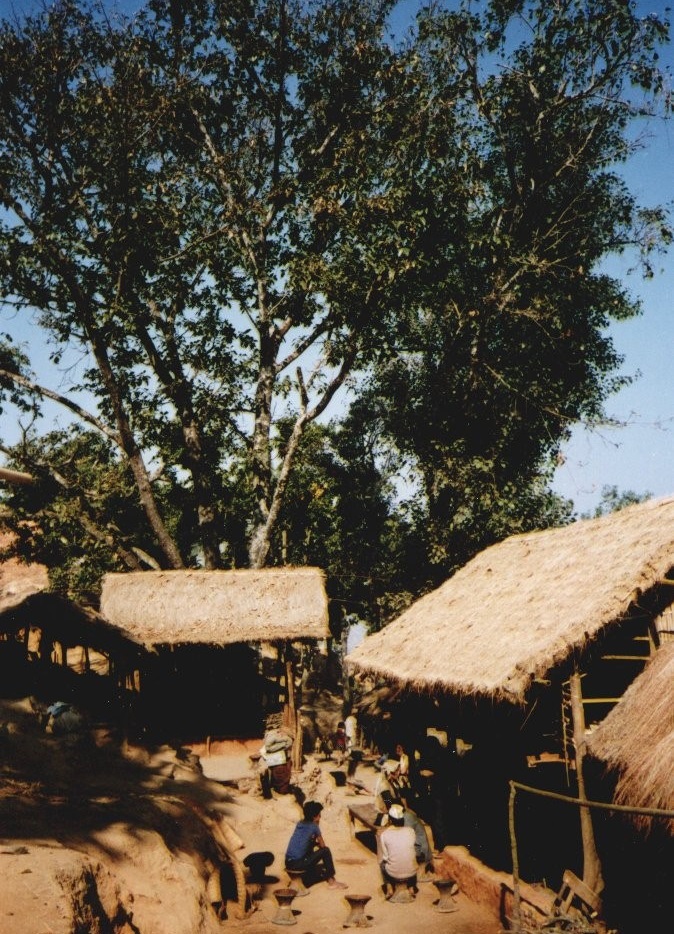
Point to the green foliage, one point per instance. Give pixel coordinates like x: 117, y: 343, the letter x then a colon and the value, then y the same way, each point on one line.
x: 236, y: 214
x: 525, y: 109
x: 80, y: 517
x: 612, y: 500
x: 340, y: 514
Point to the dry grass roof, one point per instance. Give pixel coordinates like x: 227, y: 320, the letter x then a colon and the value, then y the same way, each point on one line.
x: 217, y: 607
x: 637, y: 737
x: 520, y: 607
x: 18, y: 581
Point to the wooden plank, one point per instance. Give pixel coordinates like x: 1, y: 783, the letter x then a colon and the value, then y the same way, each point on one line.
x: 365, y: 814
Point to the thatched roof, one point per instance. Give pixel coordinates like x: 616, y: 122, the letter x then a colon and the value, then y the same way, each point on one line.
x: 217, y: 607
x: 520, y: 607
x: 19, y: 581
x: 637, y: 737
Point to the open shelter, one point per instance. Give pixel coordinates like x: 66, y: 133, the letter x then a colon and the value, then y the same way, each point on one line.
x: 55, y: 648
x: 205, y: 675
x: 534, y: 638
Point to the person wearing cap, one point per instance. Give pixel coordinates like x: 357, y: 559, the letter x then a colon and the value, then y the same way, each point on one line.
x: 422, y: 846
x: 306, y: 847
x: 398, y: 855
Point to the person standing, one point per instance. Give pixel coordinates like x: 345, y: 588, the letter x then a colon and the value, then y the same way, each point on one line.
x: 306, y: 848
x: 351, y: 728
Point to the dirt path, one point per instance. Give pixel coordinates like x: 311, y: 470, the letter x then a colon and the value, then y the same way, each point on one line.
x: 96, y: 838
x: 265, y: 825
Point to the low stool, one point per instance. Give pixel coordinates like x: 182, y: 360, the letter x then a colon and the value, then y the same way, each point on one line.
x: 401, y: 892
x: 284, y: 899
x: 447, y: 888
x: 357, y: 917
x: 296, y: 882
x: 257, y: 865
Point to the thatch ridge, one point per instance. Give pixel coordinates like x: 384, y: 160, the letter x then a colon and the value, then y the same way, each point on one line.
x: 217, y: 607
x: 19, y: 580
x: 522, y: 606
x: 637, y: 737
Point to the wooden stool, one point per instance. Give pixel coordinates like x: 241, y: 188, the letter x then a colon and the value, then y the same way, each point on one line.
x: 446, y: 889
x: 401, y: 893
x: 257, y: 865
x: 284, y: 899
x: 357, y: 917
x: 296, y: 882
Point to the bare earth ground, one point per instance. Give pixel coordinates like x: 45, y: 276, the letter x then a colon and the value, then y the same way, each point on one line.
x: 266, y: 825
x: 97, y: 838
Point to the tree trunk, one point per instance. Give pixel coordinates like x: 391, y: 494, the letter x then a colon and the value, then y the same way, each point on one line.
x: 170, y: 370
x: 592, y: 875
x: 166, y: 544
x: 258, y: 549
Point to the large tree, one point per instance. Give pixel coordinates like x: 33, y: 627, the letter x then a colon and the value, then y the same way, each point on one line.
x: 525, y: 112
x: 185, y: 199
x: 234, y: 209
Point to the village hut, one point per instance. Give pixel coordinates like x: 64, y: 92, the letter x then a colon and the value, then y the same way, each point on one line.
x: 534, y: 637
x: 205, y: 629
x: 55, y: 648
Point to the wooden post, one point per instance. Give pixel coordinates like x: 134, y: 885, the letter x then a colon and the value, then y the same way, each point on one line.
x: 517, y: 901
x: 592, y: 875
x: 291, y: 715
x: 297, y: 745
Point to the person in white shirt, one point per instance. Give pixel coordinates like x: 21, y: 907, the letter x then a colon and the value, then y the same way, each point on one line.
x: 351, y: 728
x: 397, y: 852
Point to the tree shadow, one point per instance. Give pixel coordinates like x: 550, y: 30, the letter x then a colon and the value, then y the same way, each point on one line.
x: 69, y: 788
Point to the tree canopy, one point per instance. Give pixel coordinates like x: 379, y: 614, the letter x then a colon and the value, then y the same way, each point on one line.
x: 240, y: 213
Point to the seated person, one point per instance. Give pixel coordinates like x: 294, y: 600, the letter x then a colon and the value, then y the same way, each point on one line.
x: 422, y: 846
x: 398, y: 855
x: 400, y: 775
x: 307, y: 849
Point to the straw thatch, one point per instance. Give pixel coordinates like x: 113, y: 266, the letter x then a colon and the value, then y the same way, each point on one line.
x: 521, y: 607
x: 217, y: 607
x: 18, y: 581
x: 637, y: 737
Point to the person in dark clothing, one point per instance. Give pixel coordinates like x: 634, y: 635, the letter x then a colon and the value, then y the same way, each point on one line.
x: 306, y: 847
x: 437, y: 790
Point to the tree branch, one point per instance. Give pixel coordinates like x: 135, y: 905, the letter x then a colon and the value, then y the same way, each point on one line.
x: 67, y: 403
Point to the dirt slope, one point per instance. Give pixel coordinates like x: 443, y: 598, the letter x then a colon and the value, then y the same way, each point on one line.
x: 98, y: 838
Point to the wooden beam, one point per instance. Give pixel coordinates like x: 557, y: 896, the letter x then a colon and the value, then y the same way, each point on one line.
x: 18, y: 478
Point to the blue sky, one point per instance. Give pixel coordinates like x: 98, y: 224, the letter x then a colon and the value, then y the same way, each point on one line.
x: 638, y: 456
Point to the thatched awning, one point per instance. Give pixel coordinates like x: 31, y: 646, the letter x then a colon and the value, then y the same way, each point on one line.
x: 217, y: 607
x: 637, y: 737
x: 18, y: 581
x: 520, y: 607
